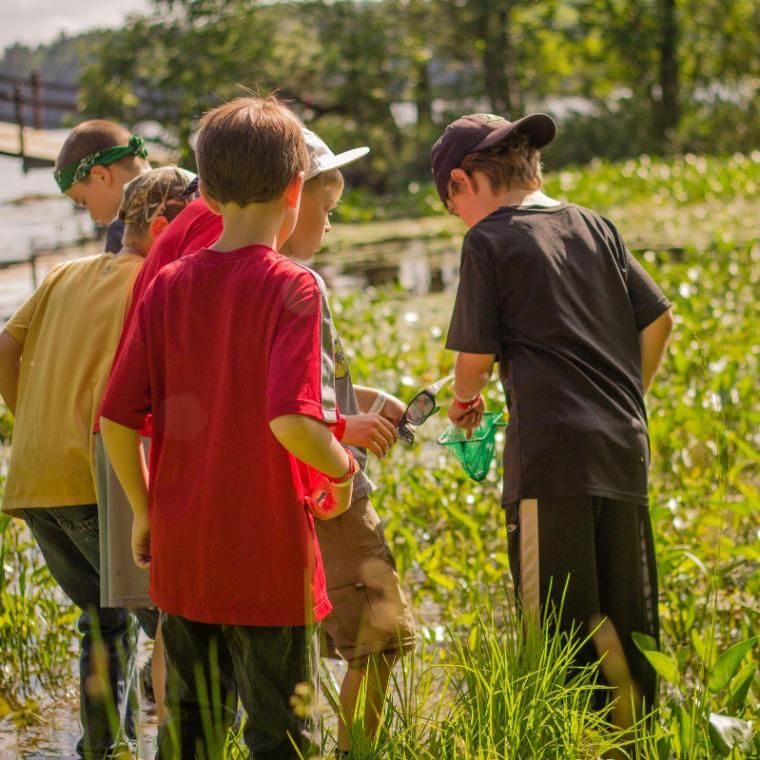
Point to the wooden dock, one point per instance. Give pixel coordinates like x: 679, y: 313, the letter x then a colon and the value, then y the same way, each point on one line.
x: 40, y: 147
x: 25, y: 136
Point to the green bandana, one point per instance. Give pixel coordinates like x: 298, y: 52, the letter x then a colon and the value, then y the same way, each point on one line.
x: 76, y: 171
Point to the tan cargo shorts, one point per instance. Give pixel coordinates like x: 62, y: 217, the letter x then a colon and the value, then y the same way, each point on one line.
x: 371, y: 614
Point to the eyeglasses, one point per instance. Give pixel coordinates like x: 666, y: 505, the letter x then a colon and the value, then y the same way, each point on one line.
x: 419, y: 409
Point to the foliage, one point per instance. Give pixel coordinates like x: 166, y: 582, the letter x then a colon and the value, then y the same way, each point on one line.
x: 624, y: 77
x: 462, y: 693
x: 36, y: 623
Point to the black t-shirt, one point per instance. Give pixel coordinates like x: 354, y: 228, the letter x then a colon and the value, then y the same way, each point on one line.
x: 114, y: 234
x: 555, y: 295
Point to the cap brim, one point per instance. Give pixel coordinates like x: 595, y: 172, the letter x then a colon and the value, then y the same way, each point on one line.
x: 539, y: 128
x: 339, y: 160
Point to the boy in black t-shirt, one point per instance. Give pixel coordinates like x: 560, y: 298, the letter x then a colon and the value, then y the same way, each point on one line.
x: 579, y: 329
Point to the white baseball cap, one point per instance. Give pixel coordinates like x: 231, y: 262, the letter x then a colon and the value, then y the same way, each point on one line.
x: 322, y: 159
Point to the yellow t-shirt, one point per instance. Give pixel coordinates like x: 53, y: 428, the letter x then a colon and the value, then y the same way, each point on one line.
x: 68, y: 330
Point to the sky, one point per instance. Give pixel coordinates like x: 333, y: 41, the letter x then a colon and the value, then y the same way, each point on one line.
x: 36, y: 21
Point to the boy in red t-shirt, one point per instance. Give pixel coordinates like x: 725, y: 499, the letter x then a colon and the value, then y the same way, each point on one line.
x: 231, y: 352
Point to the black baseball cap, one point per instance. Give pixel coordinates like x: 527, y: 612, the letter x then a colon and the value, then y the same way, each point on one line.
x: 478, y: 131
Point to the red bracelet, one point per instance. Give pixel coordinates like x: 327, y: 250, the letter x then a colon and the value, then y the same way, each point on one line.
x: 466, y: 405
x: 338, y: 428
x: 353, y: 467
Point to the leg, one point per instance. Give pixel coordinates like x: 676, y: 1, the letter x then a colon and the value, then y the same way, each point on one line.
x: 553, y: 562
x: 201, y: 695
x: 628, y: 600
x: 68, y: 540
x: 158, y: 674
x: 272, y: 664
x: 149, y: 621
x: 375, y: 671
x: 371, y: 622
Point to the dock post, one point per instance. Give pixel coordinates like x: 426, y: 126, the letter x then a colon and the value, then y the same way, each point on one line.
x: 18, y: 101
x: 36, y: 99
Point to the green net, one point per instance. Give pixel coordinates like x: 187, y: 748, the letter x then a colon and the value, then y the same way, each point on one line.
x: 474, y: 453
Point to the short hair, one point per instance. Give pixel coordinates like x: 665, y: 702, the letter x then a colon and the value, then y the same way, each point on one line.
x: 249, y: 150
x: 512, y: 163
x: 329, y: 178
x: 90, y: 137
x: 159, y: 192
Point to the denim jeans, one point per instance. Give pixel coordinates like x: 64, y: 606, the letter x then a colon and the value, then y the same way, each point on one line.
x: 208, y: 666
x: 68, y: 540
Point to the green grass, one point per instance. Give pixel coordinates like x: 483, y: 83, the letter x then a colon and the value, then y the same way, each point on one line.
x: 465, y: 694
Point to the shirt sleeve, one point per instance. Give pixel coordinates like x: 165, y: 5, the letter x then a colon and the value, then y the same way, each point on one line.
x: 301, y: 371
x: 127, y: 398
x: 18, y: 325
x: 475, y: 322
x: 648, y: 301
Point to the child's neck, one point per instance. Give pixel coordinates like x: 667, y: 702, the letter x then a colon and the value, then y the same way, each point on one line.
x: 523, y: 196
x: 256, y: 224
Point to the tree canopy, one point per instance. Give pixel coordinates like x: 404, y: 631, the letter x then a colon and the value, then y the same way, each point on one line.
x: 624, y: 76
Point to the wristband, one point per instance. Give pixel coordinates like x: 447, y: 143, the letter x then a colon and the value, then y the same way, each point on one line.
x: 378, y: 403
x: 467, y: 405
x: 338, y: 428
x: 353, y: 467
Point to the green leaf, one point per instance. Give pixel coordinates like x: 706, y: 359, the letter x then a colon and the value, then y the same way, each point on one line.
x: 685, y: 730
x: 665, y: 666
x: 727, y: 665
x: 739, y: 687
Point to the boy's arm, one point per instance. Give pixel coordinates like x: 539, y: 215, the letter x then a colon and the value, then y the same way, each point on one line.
x: 653, y: 340
x: 374, y: 429
x: 309, y: 440
x: 126, y: 455
x: 472, y: 372
x: 10, y: 366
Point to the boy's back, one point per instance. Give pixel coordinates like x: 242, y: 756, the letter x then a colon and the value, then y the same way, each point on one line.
x: 220, y: 333
x: 69, y: 329
x: 554, y: 294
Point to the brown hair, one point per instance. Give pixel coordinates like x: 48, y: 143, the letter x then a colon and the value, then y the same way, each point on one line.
x: 329, y: 178
x: 159, y: 192
x: 249, y: 150
x: 93, y: 136
x: 512, y: 163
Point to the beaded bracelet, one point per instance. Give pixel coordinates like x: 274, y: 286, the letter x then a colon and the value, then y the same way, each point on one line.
x: 353, y: 467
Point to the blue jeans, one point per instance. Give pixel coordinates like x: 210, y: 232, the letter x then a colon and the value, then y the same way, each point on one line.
x: 69, y: 542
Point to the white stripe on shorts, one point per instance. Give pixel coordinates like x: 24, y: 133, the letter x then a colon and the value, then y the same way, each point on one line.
x: 530, y: 593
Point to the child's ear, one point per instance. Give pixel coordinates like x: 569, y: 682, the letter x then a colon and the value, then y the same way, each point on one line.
x: 462, y: 178
x: 207, y: 199
x: 102, y: 175
x: 157, y: 226
x: 294, y: 190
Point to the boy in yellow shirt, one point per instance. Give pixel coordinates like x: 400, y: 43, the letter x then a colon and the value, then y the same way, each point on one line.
x: 55, y: 356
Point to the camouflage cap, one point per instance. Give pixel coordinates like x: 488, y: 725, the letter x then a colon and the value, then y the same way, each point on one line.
x: 159, y: 192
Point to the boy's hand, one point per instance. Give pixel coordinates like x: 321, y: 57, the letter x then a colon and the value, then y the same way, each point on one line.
x: 329, y: 500
x: 393, y: 409
x: 468, y: 419
x: 373, y: 432
x: 141, y: 542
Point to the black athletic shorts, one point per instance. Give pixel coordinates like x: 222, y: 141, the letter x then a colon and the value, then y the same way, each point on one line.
x: 603, y: 551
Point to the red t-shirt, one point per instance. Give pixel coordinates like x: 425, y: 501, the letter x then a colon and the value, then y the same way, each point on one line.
x: 195, y: 227
x: 223, y: 342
